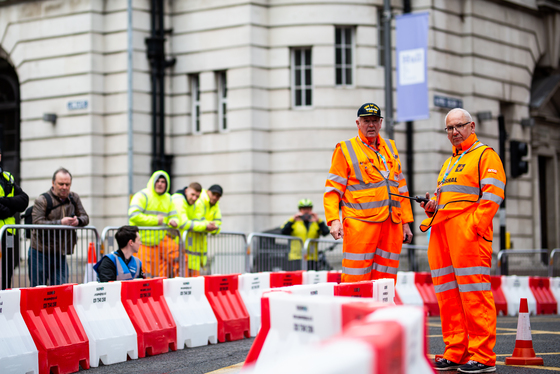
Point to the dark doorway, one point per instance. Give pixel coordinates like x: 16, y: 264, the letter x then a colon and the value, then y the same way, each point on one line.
x: 547, y: 202
x: 9, y: 119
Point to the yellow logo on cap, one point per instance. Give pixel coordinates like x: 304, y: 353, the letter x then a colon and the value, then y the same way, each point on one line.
x: 371, y: 108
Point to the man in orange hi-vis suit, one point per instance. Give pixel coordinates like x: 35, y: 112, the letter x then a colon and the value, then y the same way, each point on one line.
x: 366, y: 180
x: 469, y: 191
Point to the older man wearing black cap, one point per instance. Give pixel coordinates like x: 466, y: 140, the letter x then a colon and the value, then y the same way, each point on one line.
x: 366, y: 180
x: 12, y: 201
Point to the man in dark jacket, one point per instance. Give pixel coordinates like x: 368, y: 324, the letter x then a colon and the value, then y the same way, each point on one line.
x: 122, y: 265
x: 12, y: 201
x: 47, y: 255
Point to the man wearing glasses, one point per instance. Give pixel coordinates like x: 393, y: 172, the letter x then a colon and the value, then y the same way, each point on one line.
x: 366, y: 180
x: 470, y: 188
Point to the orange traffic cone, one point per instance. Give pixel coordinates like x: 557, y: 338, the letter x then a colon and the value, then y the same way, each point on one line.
x: 523, y: 353
x: 90, y: 274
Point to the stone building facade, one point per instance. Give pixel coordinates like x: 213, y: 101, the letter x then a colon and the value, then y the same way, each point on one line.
x: 260, y: 93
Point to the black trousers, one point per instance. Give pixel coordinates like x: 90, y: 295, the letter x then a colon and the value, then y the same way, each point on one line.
x: 10, y: 258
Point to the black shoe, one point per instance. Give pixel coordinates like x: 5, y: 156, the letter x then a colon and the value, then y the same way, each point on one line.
x: 442, y: 364
x: 476, y: 367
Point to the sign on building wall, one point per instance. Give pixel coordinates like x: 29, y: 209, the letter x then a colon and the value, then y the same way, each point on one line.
x: 77, y: 104
x: 412, y: 67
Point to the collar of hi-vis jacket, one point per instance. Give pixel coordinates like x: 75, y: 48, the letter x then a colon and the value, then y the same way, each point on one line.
x: 465, y: 144
x: 383, y: 147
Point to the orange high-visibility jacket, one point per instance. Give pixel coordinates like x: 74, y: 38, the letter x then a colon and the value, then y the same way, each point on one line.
x: 359, y: 182
x: 477, y: 179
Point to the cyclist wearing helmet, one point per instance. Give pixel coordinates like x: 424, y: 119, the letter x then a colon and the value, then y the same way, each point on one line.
x: 305, y: 225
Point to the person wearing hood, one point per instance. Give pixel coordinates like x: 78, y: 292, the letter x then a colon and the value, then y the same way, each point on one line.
x: 191, y: 219
x: 153, y: 206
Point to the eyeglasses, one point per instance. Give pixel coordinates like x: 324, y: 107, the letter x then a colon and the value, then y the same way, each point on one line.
x: 456, y: 127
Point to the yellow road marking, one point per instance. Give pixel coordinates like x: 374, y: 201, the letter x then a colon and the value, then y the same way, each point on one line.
x: 228, y: 370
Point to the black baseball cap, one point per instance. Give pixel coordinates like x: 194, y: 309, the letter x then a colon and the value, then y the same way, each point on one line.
x: 369, y: 109
x: 216, y: 188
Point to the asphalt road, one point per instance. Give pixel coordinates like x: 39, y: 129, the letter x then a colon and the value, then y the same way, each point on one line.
x: 201, y: 360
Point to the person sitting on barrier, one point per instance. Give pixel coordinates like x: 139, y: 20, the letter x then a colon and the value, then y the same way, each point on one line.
x: 121, y: 264
x: 12, y: 201
x: 153, y: 206
x: 305, y: 224
x: 47, y: 254
x: 207, y: 210
x: 192, y: 221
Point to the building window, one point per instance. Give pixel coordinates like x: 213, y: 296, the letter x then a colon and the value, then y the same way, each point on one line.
x: 343, y: 55
x: 302, y: 90
x: 195, y: 106
x: 222, y: 100
x: 381, y: 38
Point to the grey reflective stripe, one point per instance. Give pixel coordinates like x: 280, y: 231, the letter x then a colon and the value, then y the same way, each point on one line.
x: 473, y: 270
x: 355, y: 162
x: 156, y: 212
x: 396, y: 204
x: 172, y: 213
x: 137, y: 207
x: 471, y: 287
x: 134, y: 214
x: 385, y: 269
x: 146, y: 196
x: 356, y: 271
x: 329, y: 189
x: 445, y: 286
x: 337, y: 179
x: 385, y: 254
x: 401, y: 176
x: 369, y: 205
x: 441, y: 206
x: 390, y: 144
x: 190, y: 240
x: 461, y: 189
x: 192, y: 253
x: 490, y: 196
x: 478, y: 145
x: 358, y: 256
x: 217, y: 219
x: 494, y: 182
x: 359, y: 187
x: 442, y: 271
x: 184, y: 224
x: 403, y: 189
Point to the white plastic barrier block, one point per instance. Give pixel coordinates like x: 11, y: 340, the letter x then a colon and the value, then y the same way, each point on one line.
x: 412, y: 319
x: 555, y: 289
x: 517, y: 287
x: 196, y: 323
x: 18, y: 353
x: 407, y: 289
x: 314, y: 277
x: 251, y: 288
x: 384, y: 290
x: 111, y: 335
x: 319, y: 289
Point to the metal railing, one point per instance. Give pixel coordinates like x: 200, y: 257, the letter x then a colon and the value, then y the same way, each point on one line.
x: 523, y: 264
x: 270, y: 252
x: 416, y: 258
x: 551, y: 262
x: 323, y: 254
x: 60, y: 256
x: 162, y: 251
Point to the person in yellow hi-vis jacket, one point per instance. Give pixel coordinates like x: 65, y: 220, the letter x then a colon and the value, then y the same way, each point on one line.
x: 153, y: 206
x: 184, y: 201
x: 207, y: 209
x: 305, y: 224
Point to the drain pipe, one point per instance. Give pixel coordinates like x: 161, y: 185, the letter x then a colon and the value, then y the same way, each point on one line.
x: 129, y: 97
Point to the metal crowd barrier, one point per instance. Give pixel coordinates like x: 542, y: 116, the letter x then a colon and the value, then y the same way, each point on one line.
x: 416, y: 258
x: 523, y: 262
x: 323, y: 254
x: 162, y: 251
x: 551, y: 262
x: 61, y: 255
x: 270, y: 252
x: 227, y: 253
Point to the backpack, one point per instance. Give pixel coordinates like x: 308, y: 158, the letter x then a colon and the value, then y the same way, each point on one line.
x: 27, y: 215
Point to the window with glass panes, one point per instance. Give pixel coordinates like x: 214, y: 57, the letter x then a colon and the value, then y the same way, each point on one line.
x: 380, y: 38
x: 195, y: 99
x: 343, y: 56
x: 302, y: 89
x: 222, y: 100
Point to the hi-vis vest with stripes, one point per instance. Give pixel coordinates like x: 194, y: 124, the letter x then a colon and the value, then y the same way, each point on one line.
x: 462, y: 187
x: 10, y: 220
x: 367, y: 191
x: 124, y: 271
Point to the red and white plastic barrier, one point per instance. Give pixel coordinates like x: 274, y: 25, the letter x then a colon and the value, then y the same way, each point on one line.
x: 514, y: 288
x: 251, y: 288
x: 111, y: 335
x: 323, y: 289
x: 314, y: 277
x: 18, y: 353
x: 406, y: 288
x: 196, y: 323
x: 546, y: 302
x: 555, y: 289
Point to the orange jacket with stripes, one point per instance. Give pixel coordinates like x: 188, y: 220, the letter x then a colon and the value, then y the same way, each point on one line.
x: 360, y: 183
x: 476, y: 182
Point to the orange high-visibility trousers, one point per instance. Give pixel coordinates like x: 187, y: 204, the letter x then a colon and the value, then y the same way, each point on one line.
x: 460, y: 262
x: 161, y: 260
x: 371, y: 250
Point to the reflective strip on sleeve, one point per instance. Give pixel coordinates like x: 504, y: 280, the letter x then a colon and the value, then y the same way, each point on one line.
x: 442, y: 271
x: 134, y: 214
x: 386, y: 254
x: 471, y: 287
x: 172, y: 213
x: 355, y: 163
x: 329, y: 189
x: 403, y: 189
x: 461, y: 189
x: 137, y: 207
x: 491, y: 197
x: 337, y: 178
x: 445, y: 286
x: 385, y: 269
x: 494, y: 182
x: 358, y: 256
x: 356, y: 271
x: 156, y: 212
x: 474, y: 270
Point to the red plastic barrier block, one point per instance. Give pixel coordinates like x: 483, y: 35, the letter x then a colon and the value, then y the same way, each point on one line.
x: 357, y: 289
x: 334, y: 276
x: 359, y: 310
x: 426, y: 289
x: 145, y: 304
x: 397, y: 299
x: 499, y: 297
x: 56, y: 329
x: 223, y: 295
x: 286, y: 278
x: 546, y: 302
